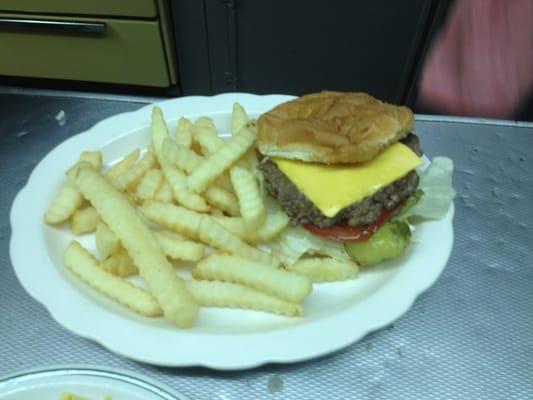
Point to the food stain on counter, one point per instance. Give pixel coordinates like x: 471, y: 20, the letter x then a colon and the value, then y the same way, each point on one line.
x: 22, y: 133
x: 275, y: 384
x: 61, y: 117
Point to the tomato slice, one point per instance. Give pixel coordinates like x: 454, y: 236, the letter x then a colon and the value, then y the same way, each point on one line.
x: 352, y: 234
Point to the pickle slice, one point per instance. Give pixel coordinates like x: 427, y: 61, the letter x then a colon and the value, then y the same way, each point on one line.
x: 389, y: 241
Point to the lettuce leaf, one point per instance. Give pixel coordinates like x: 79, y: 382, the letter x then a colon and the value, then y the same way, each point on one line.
x: 295, y: 241
x: 438, y: 192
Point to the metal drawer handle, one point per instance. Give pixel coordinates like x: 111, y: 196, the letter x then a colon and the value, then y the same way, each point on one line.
x: 52, y: 26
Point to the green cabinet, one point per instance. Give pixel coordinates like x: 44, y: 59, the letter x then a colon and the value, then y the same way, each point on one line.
x: 99, y: 49
x: 121, y: 8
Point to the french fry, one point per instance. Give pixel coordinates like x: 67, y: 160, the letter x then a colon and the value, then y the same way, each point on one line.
x: 175, y: 178
x: 186, y: 160
x: 222, y: 199
x: 320, y: 269
x: 84, y: 221
x: 174, y: 218
x: 158, y: 131
x: 106, y: 241
x: 239, y: 119
x: 123, y: 165
x: 251, y: 206
x: 205, y: 134
x: 68, y: 199
x: 286, y: 285
x: 236, y: 226
x: 177, y: 181
x: 275, y: 222
x: 149, y: 184
x: 224, y: 182
x: 180, y: 156
x: 202, y: 227
x: 66, y: 202
x: 92, y: 157
x: 218, y: 162
x: 70, y: 396
x: 216, y: 212
x: 184, y: 132
x: 140, y: 243
x: 133, y: 176
x: 82, y: 263
x: 119, y: 264
x: 177, y: 248
x: 164, y: 193
x: 224, y: 294
x: 216, y: 236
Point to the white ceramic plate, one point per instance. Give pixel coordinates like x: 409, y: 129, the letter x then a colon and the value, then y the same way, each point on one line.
x: 337, y: 314
x: 91, y: 383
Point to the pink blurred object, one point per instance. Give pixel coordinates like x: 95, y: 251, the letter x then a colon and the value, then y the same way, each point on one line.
x: 482, y: 62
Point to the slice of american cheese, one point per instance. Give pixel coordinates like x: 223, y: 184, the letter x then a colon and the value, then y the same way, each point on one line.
x: 334, y: 187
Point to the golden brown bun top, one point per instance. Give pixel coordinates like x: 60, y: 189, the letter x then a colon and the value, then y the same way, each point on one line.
x: 332, y: 127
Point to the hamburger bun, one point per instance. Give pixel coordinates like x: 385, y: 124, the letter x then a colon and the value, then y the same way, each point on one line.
x: 332, y: 127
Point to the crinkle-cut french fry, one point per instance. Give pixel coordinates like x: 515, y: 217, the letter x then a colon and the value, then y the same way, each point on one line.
x: 224, y: 182
x: 106, y: 241
x: 177, y: 181
x: 84, y: 265
x: 68, y: 199
x: 174, y: 218
x: 216, y: 212
x: 177, y: 248
x: 250, y: 159
x: 250, y: 202
x: 275, y: 222
x: 149, y: 184
x: 70, y: 396
x: 239, y: 119
x: 180, y: 156
x: 187, y: 160
x: 218, y: 162
x: 72, y: 171
x: 216, y: 236
x: 84, y: 221
x: 323, y: 269
x: 140, y: 243
x: 64, y: 205
x: 235, y: 225
x: 123, y: 165
x: 175, y: 178
x: 205, y: 134
x: 222, y: 199
x: 184, y: 132
x: 92, y: 157
x: 224, y: 294
x: 202, y: 227
x: 286, y: 285
x: 119, y: 264
x: 164, y: 193
x: 159, y: 131
x: 132, y: 177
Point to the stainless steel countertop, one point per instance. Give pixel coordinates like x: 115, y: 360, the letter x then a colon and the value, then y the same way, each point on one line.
x: 469, y: 336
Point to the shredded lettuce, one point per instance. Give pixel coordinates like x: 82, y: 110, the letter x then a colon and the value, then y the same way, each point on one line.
x: 294, y: 242
x: 438, y: 192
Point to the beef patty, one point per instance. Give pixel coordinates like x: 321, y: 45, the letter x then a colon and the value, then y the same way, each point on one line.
x: 302, y: 211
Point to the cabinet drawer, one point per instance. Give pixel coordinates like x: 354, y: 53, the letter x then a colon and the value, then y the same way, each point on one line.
x: 121, y: 8
x: 105, y: 50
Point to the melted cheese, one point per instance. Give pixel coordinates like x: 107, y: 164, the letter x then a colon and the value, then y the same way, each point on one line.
x: 334, y: 187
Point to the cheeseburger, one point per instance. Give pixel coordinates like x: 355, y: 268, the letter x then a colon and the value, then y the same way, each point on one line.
x: 341, y: 165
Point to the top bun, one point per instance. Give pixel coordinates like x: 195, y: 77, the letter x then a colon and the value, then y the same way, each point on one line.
x: 332, y: 127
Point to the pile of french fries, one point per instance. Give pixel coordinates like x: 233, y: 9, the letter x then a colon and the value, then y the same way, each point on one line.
x: 189, y: 197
